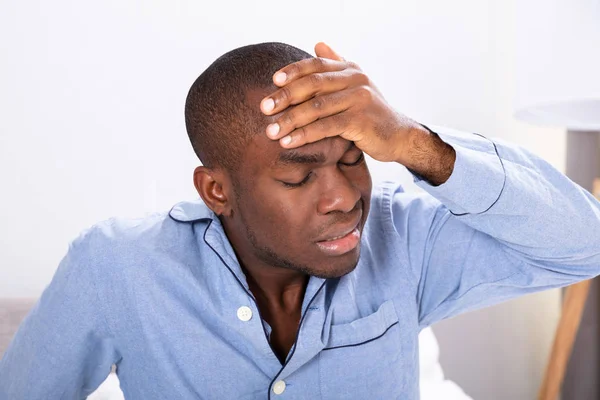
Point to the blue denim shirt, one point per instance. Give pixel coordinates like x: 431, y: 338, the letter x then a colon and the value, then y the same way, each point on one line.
x: 165, y: 299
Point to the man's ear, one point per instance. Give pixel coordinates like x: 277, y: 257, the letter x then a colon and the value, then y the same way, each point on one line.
x: 212, y: 185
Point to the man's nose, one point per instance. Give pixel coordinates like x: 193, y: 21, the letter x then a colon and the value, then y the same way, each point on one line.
x: 339, y: 194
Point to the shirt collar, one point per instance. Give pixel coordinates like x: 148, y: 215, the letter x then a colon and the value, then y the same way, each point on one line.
x: 191, y: 211
x: 214, y: 236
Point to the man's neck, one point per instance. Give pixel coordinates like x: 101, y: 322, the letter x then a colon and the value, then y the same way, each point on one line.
x: 282, y: 289
x: 279, y: 288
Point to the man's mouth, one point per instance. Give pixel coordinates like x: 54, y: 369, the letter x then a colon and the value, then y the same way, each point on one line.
x: 340, y: 236
x: 337, y: 237
x: 342, y: 243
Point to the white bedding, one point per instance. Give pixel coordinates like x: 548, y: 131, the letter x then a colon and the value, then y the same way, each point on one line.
x: 432, y: 382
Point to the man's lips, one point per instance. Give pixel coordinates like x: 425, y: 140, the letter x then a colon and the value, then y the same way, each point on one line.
x: 339, y: 245
x: 342, y: 239
x: 337, y: 232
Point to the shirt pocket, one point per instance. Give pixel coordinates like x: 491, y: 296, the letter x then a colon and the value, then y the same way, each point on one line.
x: 363, y: 359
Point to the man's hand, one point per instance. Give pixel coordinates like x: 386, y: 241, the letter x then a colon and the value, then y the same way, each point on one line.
x: 329, y: 96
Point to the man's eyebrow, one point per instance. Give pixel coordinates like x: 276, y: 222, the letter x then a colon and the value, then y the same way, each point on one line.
x: 295, y: 157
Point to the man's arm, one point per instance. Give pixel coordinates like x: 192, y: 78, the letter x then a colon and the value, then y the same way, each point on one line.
x: 505, y: 223
x: 428, y: 156
x: 63, y: 349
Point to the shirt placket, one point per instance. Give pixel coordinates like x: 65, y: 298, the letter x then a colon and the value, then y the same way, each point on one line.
x: 244, y: 307
x: 308, y: 339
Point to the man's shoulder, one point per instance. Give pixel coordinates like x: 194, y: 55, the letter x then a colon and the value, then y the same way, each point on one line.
x: 150, y: 224
x: 126, y: 234
x: 382, y: 196
x: 395, y: 211
x: 114, y: 232
x: 390, y: 197
x: 117, y: 250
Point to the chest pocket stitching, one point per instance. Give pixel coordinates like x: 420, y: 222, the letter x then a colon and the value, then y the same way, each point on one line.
x: 361, y: 343
x: 364, y: 330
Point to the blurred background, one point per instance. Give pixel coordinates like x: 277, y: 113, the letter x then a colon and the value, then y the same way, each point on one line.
x: 92, y: 97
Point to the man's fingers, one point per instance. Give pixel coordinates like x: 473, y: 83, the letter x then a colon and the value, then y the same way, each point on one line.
x: 323, y: 128
x: 318, y: 107
x: 309, y: 86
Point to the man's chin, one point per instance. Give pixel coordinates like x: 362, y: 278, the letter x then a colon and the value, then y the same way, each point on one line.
x: 337, y: 268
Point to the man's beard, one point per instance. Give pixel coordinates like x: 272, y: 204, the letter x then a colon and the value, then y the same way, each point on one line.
x: 270, y: 257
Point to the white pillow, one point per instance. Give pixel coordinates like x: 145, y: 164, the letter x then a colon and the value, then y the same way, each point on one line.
x: 110, y: 389
x: 432, y: 382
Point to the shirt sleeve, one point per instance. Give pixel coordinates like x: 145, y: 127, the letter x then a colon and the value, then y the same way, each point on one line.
x: 506, y: 223
x: 63, y: 348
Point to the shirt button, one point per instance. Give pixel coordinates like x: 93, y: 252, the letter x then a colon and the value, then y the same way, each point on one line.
x: 244, y: 313
x: 279, y: 387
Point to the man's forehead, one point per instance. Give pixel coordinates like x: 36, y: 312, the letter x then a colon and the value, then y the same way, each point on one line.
x: 313, y: 153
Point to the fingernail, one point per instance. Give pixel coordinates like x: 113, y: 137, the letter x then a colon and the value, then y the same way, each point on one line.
x: 286, y: 140
x: 273, y: 130
x: 280, y: 78
x: 268, y: 105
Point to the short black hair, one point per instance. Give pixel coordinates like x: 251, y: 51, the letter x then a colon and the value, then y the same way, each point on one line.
x: 218, y: 119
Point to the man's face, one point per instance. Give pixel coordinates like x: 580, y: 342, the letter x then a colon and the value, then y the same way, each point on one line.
x: 303, y: 209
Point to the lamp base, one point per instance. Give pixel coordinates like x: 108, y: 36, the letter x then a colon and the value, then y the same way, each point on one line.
x: 583, y: 369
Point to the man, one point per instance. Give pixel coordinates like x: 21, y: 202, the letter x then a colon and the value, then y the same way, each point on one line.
x: 276, y: 284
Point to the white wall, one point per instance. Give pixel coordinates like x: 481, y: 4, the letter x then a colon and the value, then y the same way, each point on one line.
x: 92, y: 97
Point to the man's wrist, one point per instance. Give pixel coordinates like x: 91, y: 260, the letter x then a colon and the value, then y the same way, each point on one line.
x: 428, y: 156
